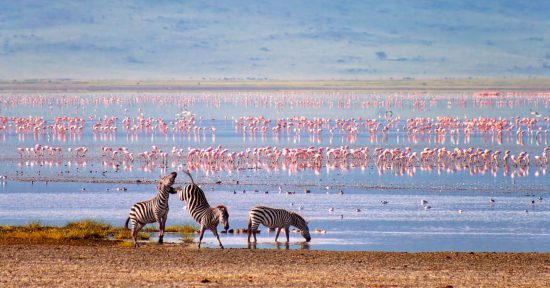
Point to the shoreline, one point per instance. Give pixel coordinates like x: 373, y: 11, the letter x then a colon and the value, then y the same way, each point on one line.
x: 230, y: 183
x: 159, y: 85
x: 90, y: 263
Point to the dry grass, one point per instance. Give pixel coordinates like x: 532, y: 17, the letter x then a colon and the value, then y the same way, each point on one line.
x: 184, y: 229
x: 123, y: 234
x: 36, y: 232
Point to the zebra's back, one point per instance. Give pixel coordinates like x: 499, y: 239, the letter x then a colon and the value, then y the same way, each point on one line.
x: 196, y: 202
x: 269, y: 217
x: 148, y: 211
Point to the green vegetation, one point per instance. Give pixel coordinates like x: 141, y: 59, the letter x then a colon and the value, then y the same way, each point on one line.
x: 80, y: 230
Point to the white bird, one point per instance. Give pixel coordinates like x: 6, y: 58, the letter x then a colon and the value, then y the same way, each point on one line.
x: 331, y: 209
x: 423, y: 202
x: 427, y: 207
x: 357, y: 210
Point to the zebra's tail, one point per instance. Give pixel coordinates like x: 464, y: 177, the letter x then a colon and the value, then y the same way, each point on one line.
x: 189, y: 174
x: 126, y: 224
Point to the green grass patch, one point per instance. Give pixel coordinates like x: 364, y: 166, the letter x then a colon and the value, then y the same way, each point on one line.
x: 82, y: 230
x: 79, y: 230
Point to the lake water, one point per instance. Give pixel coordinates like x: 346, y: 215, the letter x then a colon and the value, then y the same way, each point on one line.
x: 55, y: 190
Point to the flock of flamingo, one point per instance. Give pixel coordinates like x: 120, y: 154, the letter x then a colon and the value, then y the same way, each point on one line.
x: 461, y: 154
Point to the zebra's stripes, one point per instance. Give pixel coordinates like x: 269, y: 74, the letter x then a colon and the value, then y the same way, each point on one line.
x: 200, y: 210
x: 276, y: 218
x: 154, y: 210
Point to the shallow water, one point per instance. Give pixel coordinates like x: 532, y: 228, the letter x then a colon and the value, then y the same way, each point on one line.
x: 511, y: 223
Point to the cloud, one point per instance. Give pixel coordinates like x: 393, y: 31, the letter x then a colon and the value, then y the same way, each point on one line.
x: 359, y: 71
x: 417, y: 58
x: 348, y: 59
x: 381, y: 55
x: 134, y: 60
x: 187, y: 38
x: 535, y: 39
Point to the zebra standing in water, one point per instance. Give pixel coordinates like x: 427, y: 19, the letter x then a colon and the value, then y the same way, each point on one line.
x: 276, y: 218
x: 154, y: 210
x: 200, y: 210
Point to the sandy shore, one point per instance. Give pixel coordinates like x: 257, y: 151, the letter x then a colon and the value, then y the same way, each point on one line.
x: 103, y: 264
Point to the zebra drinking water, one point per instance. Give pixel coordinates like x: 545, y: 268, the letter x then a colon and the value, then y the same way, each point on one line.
x: 276, y: 218
x: 154, y: 210
x: 200, y: 210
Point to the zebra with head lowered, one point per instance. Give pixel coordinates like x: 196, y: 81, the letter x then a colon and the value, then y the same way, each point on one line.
x: 276, y: 218
x: 153, y: 210
x: 200, y: 210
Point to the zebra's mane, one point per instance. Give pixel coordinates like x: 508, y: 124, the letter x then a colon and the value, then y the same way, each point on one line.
x: 299, y: 217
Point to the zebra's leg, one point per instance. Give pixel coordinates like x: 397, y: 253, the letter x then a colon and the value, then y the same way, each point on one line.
x: 135, y: 230
x: 201, y: 235
x: 162, y: 223
x: 215, y: 231
x: 277, y: 234
x: 254, y: 229
x: 287, y: 232
x: 249, y: 229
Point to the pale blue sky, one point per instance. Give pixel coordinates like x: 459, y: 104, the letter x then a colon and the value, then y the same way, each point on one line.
x: 275, y: 39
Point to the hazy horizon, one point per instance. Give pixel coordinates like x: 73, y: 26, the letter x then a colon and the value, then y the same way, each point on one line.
x: 274, y: 40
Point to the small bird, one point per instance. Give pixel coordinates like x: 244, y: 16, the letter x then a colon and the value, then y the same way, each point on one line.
x: 331, y: 209
x: 384, y: 202
x: 423, y: 202
x: 460, y: 211
x: 427, y: 207
x: 492, y: 200
x: 357, y: 210
x: 341, y: 192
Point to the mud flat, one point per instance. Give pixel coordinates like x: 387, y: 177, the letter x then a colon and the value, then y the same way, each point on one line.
x: 101, y: 264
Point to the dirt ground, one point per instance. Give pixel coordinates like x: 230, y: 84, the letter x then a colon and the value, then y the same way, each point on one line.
x: 103, y: 264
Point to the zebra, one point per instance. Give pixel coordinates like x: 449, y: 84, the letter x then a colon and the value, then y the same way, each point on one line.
x: 276, y: 218
x: 153, y: 210
x: 200, y: 210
